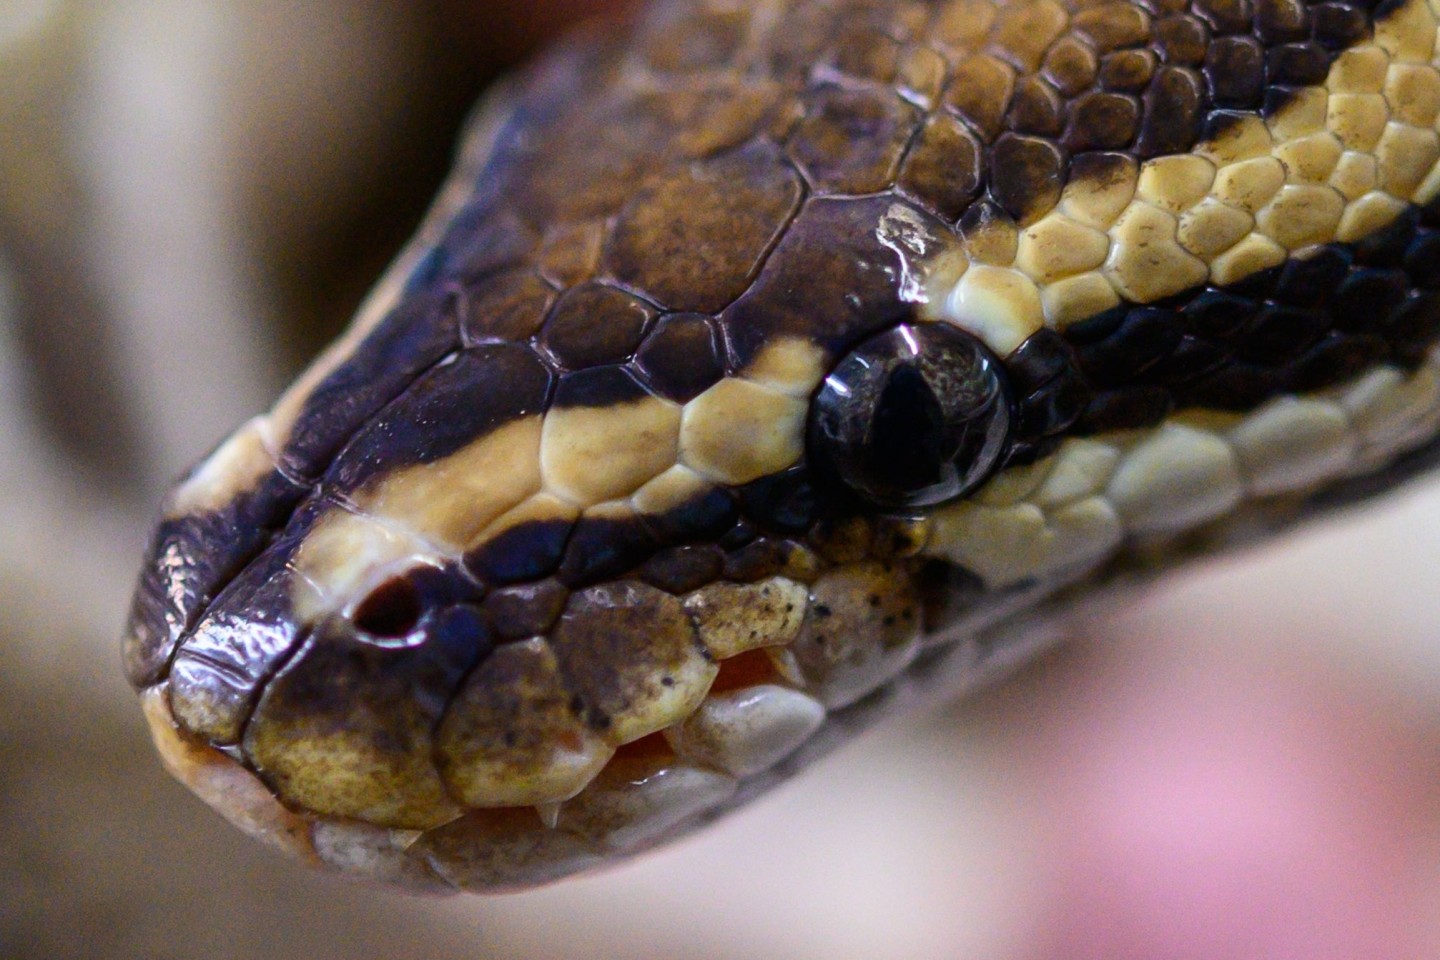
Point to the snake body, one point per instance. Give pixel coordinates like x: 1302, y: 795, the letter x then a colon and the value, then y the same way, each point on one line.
x: 761, y: 361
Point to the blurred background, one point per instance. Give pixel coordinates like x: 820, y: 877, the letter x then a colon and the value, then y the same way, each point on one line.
x: 1242, y: 762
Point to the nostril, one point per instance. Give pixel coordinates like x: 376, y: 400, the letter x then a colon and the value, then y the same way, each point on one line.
x: 391, y: 610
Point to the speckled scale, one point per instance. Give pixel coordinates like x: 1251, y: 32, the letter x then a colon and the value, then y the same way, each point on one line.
x: 758, y: 559
x: 382, y: 737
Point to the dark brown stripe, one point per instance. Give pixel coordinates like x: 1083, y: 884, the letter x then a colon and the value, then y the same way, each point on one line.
x: 455, y: 404
x: 1304, y: 326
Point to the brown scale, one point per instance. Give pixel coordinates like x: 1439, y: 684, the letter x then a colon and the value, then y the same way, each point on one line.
x: 595, y: 324
x: 851, y: 140
x: 732, y: 207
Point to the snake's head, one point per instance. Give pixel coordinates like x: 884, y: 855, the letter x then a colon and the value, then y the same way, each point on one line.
x: 705, y: 418
x: 609, y: 592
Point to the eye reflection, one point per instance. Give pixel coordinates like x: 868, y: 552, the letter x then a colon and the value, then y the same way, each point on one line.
x: 913, y: 417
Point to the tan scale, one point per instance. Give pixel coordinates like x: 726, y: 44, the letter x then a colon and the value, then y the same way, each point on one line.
x: 1310, y: 159
x: 1292, y: 444
x: 1254, y: 253
x: 1000, y: 306
x: 1211, y: 227
x: 1056, y: 247
x: 1356, y: 174
x: 1099, y: 202
x: 1146, y: 260
x: 340, y: 773
x: 1412, y: 92
x: 1175, y: 479
x: 383, y: 854
x: 738, y: 431
x: 1076, y: 298
x: 345, y: 556
x: 1175, y: 183
x: 633, y: 657
x: 541, y: 508
x: 1301, y: 215
x: 670, y: 490
x: 733, y: 618
x: 861, y: 629
x: 449, y: 502
x: 592, y: 454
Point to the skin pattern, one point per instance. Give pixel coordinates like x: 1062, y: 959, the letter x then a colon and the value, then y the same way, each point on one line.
x: 536, y: 567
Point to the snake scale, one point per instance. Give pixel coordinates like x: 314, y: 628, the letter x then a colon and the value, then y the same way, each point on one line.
x: 761, y: 362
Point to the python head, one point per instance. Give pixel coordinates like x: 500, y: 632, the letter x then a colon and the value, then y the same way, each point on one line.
x: 760, y: 364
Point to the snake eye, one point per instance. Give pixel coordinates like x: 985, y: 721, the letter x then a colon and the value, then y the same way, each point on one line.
x: 912, y: 417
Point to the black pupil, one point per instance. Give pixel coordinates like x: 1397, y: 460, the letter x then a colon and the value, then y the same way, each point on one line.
x: 916, y: 416
x: 908, y: 431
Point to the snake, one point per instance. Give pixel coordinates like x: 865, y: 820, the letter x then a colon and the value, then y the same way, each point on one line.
x: 763, y: 365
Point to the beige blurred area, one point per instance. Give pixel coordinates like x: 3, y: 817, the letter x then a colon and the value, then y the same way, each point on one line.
x: 194, y: 196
